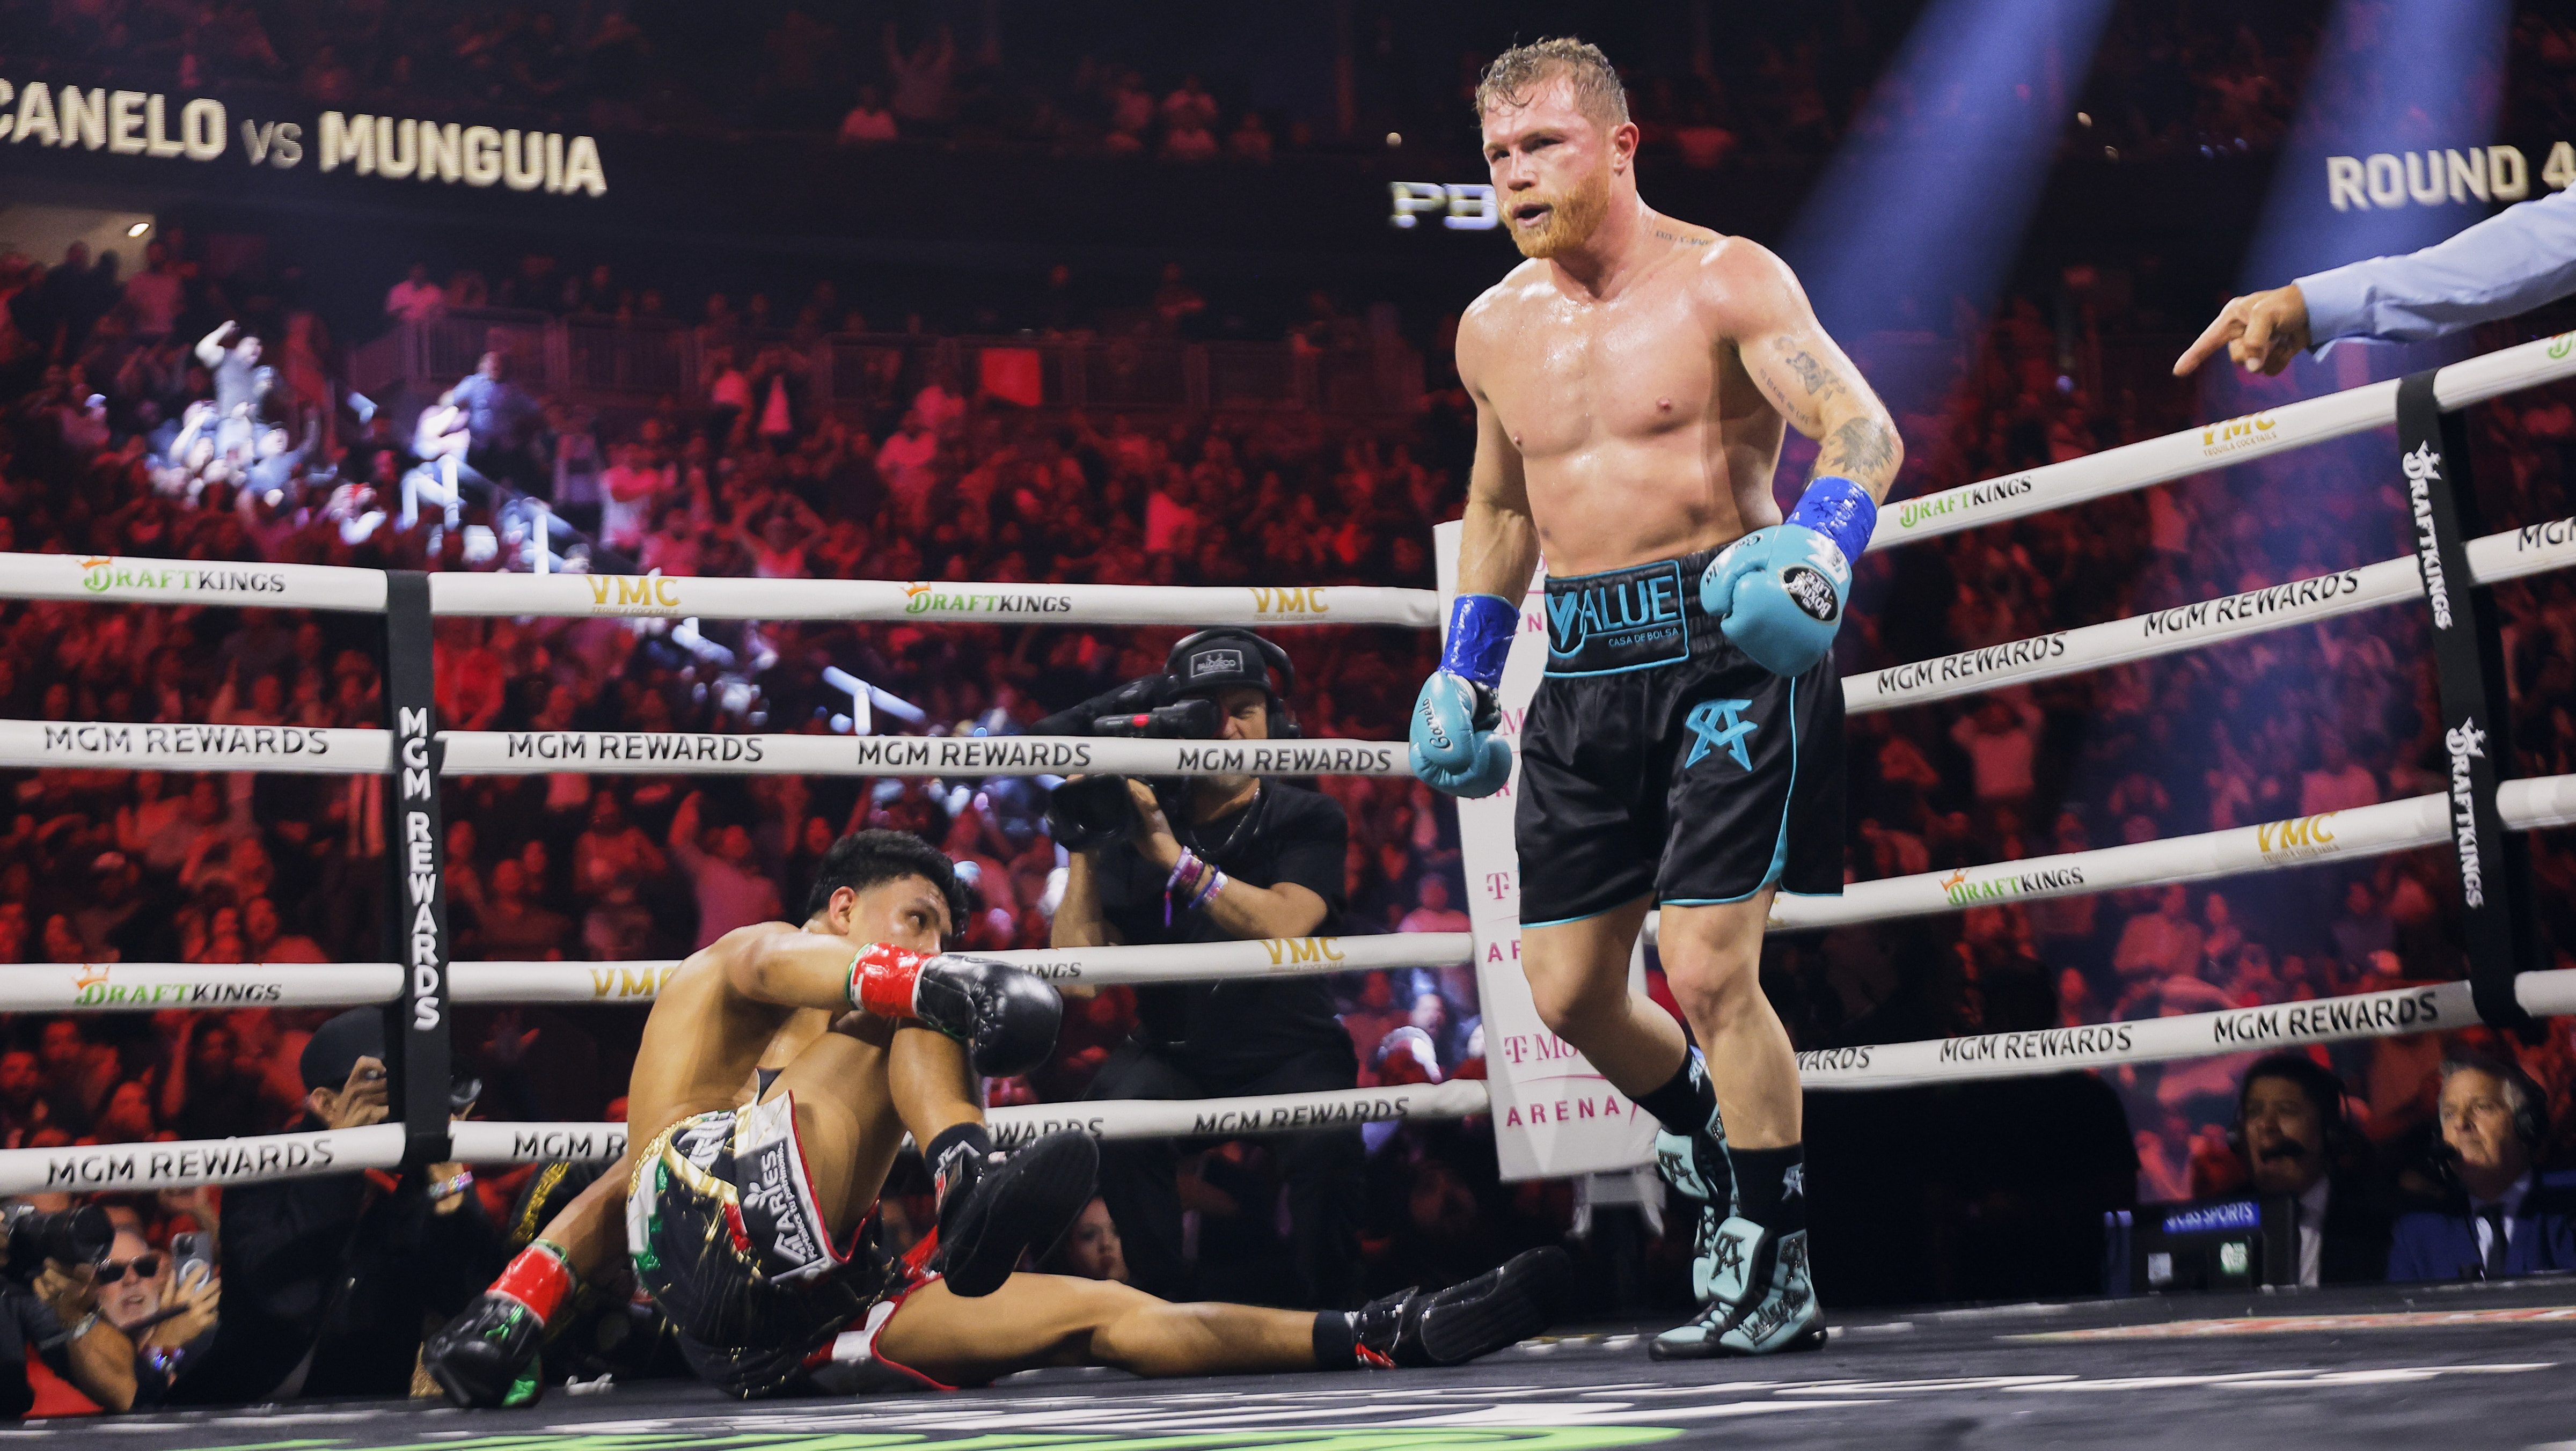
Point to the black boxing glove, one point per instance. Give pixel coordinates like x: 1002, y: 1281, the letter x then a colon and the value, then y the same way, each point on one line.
x: 1006, y: 1016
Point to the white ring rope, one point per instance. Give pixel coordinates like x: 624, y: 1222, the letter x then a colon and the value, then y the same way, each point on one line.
x: 2428, y: 1008
x: 133, y: 580
x: 2493, y: 558
x: 152, y: 986
x: 1184, y: 962
x: 132, y: 1168
x: 715, y: 597
x: 298, y: 750
x: 2526, y: 805
x: 2215, y: 445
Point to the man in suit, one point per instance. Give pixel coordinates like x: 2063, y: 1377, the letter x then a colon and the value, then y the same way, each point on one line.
x: 2290, y: 1128
x: 2499, y: 1215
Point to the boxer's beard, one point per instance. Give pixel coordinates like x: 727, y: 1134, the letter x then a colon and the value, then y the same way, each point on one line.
x: 1572, y: 217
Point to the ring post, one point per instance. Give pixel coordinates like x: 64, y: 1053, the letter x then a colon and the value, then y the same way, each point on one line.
x: 416, y: 1027
x: 2477, y: 719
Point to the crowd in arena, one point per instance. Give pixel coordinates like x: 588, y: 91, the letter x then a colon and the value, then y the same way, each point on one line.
x: 186, y: 413
x: 1709, y: 87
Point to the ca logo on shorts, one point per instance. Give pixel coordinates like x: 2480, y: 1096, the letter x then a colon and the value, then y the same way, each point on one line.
x: 1719, y: 726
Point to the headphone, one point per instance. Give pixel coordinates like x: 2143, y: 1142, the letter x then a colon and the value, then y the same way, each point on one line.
x: 2323, y: 1086
x: 1283, y: 716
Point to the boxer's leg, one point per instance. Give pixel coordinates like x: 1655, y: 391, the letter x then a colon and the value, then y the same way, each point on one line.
x: 1712, y: 958
x: 847, y: 1127
x: 1578, y: 977
x: 1042, y: 1320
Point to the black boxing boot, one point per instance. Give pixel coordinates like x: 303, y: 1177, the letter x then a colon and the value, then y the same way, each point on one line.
x: 990, y: 1214
x: 488, y: 1355
x: 1500, y: 1307
x: 1006, y: 1016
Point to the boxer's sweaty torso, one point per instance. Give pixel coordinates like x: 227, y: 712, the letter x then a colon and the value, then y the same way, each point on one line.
x: 702, y: 1042
x: 1640, y: 434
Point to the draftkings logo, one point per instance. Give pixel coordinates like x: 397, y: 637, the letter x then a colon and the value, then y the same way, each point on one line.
x: 1960, y: 891
x: 2466, y: 742
x: 923, y: 599
x: 2423, y: 468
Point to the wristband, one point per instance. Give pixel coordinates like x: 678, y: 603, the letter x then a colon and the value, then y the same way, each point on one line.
x: 450, y: 1187
x: 1207, y: 893
x: 1481, y: 628
x: 1187, y: 869
x: 1840, y: 510
x: 86, y: 1324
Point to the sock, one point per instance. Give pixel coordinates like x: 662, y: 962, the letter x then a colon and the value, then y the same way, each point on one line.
x: 1687, y: 1104
x: 1771, y: 1186
x: 538, y: 1279
x: 956, y: 1155
x: 1337, y: 1341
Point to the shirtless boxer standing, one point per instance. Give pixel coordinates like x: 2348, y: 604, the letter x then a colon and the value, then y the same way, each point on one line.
x: 743, y: 1208
x: 1632, y: 380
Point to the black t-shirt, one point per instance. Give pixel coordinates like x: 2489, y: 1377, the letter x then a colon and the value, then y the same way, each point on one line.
x: 1232, y: 1032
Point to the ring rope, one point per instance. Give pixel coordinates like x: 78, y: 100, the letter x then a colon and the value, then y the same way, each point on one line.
x: 2230, y: 441
x: 134, y: 580
x: 130, y: 1168
x: 154, y: 986
x: 358, y: 751
x: 2493, y: 558
x: 2528, y: 804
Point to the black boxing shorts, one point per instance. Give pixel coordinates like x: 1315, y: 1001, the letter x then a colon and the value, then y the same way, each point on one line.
x: 1656, y: 758
x: 727, y: 1236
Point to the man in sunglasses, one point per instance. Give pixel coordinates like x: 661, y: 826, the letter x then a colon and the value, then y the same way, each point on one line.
x: 140, y: 1293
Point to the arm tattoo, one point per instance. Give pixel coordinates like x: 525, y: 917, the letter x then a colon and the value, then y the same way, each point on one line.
x: 1862, y: 449
x: 1820, y: 384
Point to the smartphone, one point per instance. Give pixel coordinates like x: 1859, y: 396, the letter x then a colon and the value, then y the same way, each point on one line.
x: 193, y: 1254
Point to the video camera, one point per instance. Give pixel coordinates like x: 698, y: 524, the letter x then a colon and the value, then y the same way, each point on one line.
x: 80, y: 1236
x: 1174, y: 704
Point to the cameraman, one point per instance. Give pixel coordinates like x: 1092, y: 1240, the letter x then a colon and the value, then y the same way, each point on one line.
x: 1225, y: 859
x: 330, y: 1283
x: 49, y: 1305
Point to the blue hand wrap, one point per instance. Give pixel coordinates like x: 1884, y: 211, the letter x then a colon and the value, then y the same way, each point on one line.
x: 1840, y: 510
x: 1481, y: 628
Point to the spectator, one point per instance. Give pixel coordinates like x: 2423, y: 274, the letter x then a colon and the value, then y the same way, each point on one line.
x: 730, y: 892
x: 868, y: 121
x: 22, y: 1102
x: 501, y: 419
x: 1250, y: 140
x: 1091, y: 1249
x: 1431, y: 911
x: 511, y: 927
x: 2001, y: 738
x: 2290, y: 1115
x: 139, y: 1283
x: 2339, y: 783
x: 416, y: 298
x: 154, y: 296
x: 2498, y: 1215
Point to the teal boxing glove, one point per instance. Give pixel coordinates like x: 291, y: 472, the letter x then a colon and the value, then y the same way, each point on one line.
x: 1454, y: 748
x: 1778, y: 593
